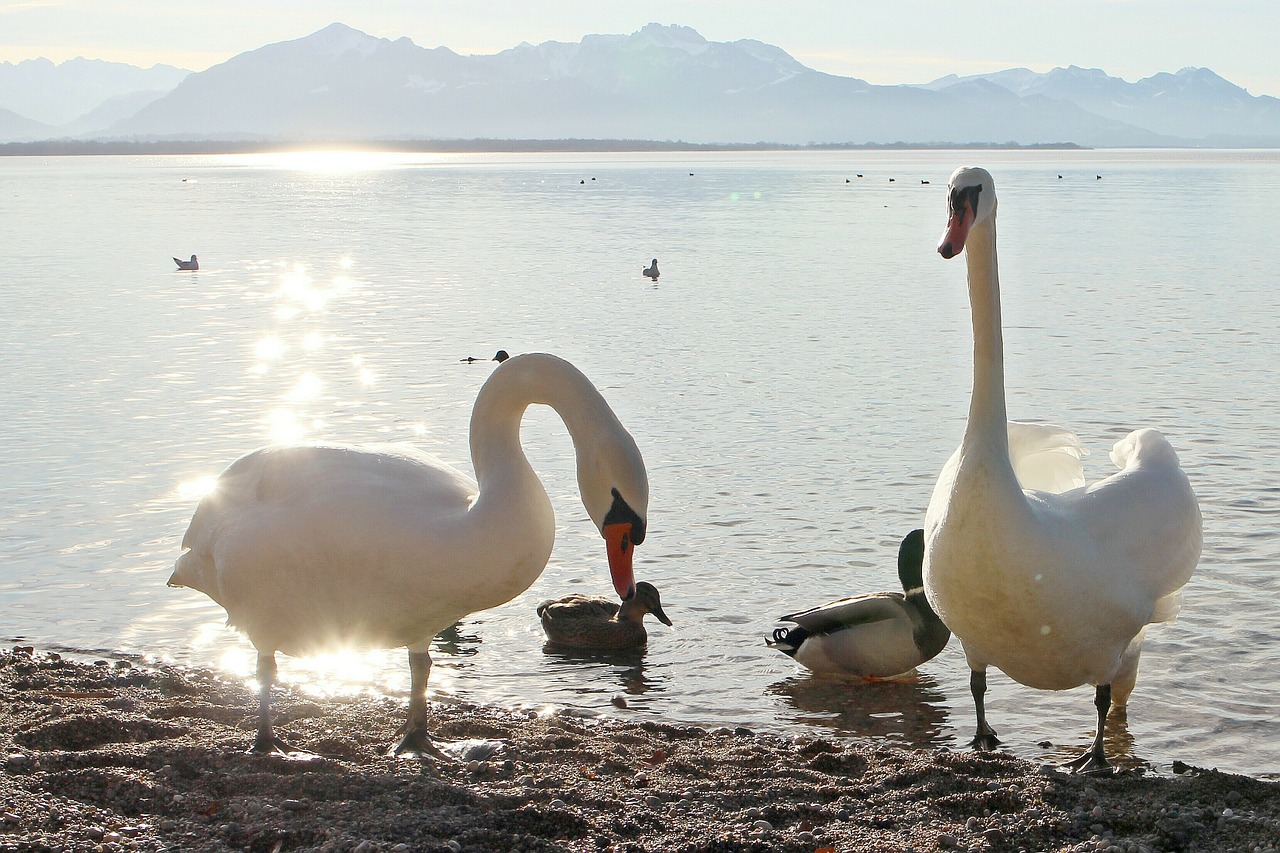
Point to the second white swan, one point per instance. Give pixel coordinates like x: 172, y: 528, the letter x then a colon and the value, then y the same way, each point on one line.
x: 1054, y: 587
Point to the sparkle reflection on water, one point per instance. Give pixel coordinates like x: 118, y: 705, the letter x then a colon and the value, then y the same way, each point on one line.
x: 795, y: 381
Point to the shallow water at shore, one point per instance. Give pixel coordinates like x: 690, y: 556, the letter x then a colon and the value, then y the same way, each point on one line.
x: 795, y: 381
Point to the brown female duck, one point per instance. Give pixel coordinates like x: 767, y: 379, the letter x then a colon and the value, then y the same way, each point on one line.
x: 589, y: 622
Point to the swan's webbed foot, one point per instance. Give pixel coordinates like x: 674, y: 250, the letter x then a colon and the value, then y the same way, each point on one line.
x: 1092, y: 763
x: 985, y: 739
x: 415, y: 741
x: 266, y: 743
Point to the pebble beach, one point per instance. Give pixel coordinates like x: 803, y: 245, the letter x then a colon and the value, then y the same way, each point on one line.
x: 116, y: 754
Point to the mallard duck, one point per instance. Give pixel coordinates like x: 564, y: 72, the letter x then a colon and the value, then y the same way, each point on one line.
x: 878, y: 636
x: 315, y: 547
x: 589, y: 622
x: 1055, y: 587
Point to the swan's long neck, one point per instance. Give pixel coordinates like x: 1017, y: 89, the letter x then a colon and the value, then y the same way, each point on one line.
x: 987, y: 413
x: 499, y: 460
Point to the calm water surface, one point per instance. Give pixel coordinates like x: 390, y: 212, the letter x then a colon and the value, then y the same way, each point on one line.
x: 795, y: 380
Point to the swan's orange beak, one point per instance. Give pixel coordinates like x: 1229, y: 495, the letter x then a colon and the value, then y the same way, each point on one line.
x: 959, y: 222
x: 621, y: 551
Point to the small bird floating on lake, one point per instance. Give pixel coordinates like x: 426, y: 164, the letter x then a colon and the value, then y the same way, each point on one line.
x: 652, y: 271
x: 192, y: 264
x: 500, y: 356
x: 878, y: 636
x: 590, y: 622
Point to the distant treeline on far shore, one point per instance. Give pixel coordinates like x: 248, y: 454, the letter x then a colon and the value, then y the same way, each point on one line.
x: 69, y: 147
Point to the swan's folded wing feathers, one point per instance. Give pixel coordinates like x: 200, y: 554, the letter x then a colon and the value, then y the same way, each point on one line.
x: 859, y: 610
x: 1046, y: 457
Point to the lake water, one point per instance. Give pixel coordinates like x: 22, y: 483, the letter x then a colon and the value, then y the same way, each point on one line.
x: 795, y: 381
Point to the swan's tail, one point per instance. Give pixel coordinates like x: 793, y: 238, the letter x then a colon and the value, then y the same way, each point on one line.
x: 1045, y: 457
x: 1143, y: 447
x: 192, y: 569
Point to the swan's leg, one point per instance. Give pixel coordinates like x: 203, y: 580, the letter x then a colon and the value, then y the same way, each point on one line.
x: 266, y: 741
x: 414, y: 739
x: 1094, y: 759
x: 985, y: 738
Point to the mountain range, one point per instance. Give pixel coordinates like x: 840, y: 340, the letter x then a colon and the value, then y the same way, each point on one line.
x: 661, y: 83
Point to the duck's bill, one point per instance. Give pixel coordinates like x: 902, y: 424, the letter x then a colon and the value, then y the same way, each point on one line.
x: 621, y: 551
x: 662, y: 617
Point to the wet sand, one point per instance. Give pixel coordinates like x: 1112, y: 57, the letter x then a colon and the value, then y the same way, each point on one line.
x: 114, y: 755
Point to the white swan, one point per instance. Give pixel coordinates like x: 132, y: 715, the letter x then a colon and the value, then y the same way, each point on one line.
x: 1054, y: 587
x: 882, y: 635
x: 311, y: 547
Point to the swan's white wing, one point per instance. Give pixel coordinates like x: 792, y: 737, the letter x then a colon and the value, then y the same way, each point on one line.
x: 1144, y: 521
x: 1046, y: 458
x: 277, y: 541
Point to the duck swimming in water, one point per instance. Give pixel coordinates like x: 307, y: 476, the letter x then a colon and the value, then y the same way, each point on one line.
x: 652, y: 271
x: 192, y: 264
x: 878, y: 636
x: 589, y: 622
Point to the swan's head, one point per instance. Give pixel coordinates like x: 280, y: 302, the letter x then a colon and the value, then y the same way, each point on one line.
x: 623, y: 523
x: 971, y: 198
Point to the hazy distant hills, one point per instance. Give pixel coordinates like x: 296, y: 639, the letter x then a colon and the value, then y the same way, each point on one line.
x: 1193, y: 103
x: 663, y: 83
x: 57, y: 95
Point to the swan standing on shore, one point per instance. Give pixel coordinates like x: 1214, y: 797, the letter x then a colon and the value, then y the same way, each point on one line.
x: 1056, y: 588
x: 315, y: 547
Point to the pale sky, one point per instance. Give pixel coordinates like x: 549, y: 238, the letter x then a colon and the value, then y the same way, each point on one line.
x: 882, y: 41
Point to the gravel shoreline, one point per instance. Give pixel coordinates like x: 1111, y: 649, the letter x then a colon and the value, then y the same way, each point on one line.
x: 114, y: 756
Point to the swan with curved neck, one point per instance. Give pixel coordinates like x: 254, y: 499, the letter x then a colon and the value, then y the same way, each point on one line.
x: 314, y: 547
x: 1055, y: 587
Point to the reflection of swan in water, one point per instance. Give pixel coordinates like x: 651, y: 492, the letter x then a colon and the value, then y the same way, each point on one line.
x: 451, y: 641
x: 910, y: 712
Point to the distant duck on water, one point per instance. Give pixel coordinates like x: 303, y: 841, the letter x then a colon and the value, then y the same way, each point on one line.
x: 500, y: 356
x: 589, y: 622
x: 192, y: 264
x: 652, y: 271
x: 882, y: 635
